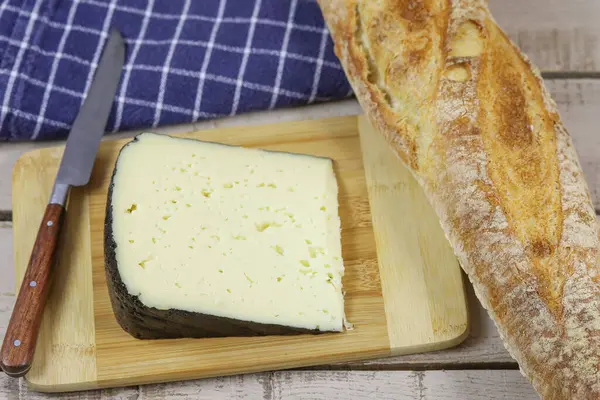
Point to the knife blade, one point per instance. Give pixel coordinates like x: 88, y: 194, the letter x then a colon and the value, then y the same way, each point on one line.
x: 84, y: 138
x: 75, y: 169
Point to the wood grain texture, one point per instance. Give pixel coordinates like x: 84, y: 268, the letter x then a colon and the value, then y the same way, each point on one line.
x: 125, y: 393
x: 7, y: 276
x: 422, y: 265
x: 67, y: 332
x: 7, y: 303
x: 578, y: 102
x: 7, y: 270
x: 9, y: 388
x: 402, y: 385
x: 482, y: 347
x: 123, y: 360
x: 16, y: 355
x: 482, y: 385
x: 557, y: 35
x: 325, y: 385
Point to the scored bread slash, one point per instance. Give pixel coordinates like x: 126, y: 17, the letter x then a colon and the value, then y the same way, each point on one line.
x: 209, y: 240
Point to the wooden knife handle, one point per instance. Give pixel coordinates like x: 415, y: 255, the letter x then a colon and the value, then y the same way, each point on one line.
x: 19, y: 343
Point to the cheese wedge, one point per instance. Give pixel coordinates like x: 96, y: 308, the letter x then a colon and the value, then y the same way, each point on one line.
x: 205, y: 240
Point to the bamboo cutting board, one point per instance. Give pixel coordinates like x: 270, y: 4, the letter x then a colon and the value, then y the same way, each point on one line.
x: 404, y: 287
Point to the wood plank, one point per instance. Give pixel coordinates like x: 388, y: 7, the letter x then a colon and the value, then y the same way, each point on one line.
x: 7, y: 276
x: 472, y: 385
x: 7, y: 302
x: 409, y: 273
x: 468, y: 385
x: 9, y: 388
x: 483, y: 344
x: 242, y: 387
x: 326, y: 385
x: 557, y: 35
x: 125, y: 393
x: 123, y: 360
x: 7, y: 270
x: 482, y: 348
x: 71, y: 331
x: 578, y: 102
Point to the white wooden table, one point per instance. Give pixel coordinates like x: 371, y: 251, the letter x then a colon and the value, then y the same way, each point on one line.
x: 563, y: 39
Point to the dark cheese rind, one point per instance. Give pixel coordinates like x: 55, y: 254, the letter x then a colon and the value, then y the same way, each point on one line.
x: 144, y: 322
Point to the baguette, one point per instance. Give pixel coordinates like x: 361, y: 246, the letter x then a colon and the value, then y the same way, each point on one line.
x: 470, y: 116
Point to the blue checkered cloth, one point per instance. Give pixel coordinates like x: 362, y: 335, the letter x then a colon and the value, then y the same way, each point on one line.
x: 187, y: 60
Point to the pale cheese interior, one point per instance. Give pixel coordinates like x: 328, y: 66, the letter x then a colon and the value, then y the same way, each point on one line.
x: 229, y: 231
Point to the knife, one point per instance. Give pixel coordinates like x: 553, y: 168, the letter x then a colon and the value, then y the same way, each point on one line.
x: 75, y: 169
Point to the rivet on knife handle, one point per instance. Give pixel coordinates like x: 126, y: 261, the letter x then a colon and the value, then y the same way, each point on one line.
x: 19, y: 343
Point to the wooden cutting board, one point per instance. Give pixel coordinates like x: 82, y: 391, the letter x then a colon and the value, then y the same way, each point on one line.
x: 404, y: 287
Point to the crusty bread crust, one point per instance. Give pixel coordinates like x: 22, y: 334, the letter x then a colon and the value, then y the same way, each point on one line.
x: 469, y: 114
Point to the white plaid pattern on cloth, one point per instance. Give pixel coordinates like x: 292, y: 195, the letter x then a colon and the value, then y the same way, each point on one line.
x: 186, y: 61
